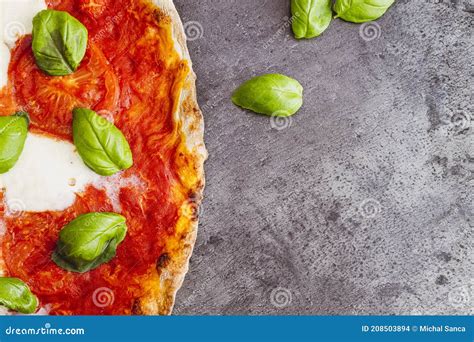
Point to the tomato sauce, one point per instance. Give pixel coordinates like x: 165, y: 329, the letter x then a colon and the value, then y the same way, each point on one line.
x: 131, y: 74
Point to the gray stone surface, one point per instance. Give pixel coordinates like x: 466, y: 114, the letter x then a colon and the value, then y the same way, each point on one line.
x: 363, y: 202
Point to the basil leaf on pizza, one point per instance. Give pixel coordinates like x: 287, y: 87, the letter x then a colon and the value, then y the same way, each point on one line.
x: 101, y: 145
x: 89, y: 241
x: 59, y: 42
x: 13, y: 131
x: 16, y: 295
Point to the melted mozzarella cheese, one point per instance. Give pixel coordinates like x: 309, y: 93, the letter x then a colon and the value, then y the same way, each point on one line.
x: 46, y: 177
x: 15, y: 20
x: 49, y: 174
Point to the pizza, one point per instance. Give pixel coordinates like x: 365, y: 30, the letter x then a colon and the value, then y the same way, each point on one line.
x: 101, y: 157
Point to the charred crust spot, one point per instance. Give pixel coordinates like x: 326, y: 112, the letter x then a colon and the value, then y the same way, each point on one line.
x: 194, y: 196
x: 162, y: 261
x: 136, y: 307
x: 161, y: 17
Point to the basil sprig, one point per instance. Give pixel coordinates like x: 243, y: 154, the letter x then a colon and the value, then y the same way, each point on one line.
x: 13, y: 131
x: 59, y: 42
x: 271, y: 94
x: 89, y: 241
x: 100, y: 143
x: 16, y: 295
x: 310, y: 17
x: 360, y: 11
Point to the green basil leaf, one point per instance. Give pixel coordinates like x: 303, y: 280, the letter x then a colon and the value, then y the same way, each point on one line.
x: 13, y: 131
x: 270, y: 94
x: 310, y: 17
x: 360, y: 11
x: 59, y: 42
x: 89, y: 241
x: 16, y: 296
x: 100, y: 143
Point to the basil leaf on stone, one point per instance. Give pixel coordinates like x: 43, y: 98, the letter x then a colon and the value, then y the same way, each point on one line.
x: 310, y: 17
x: 89, y: 241
x: 16, y: 295
x: 101, y: 145
x: 360, y: 11
x: 270, y: 94
x: 13, y: 131
x: 59, y: 42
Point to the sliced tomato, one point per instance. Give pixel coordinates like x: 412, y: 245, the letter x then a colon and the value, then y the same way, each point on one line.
x: 50, y: 99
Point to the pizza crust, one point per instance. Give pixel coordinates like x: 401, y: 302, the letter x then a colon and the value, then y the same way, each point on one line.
x: 173, y: 264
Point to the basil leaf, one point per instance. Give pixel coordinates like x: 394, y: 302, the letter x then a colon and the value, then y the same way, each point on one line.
x: 16, y: 296
x: 310, y: 17
x: 100, y: 143
x: 89, y: 241
x: 360, y: 11
x: 270, y: 94
x: 13, y: 131
x: 59, y: 42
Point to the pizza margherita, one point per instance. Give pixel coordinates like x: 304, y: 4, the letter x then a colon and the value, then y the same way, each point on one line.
x: 101, y: 157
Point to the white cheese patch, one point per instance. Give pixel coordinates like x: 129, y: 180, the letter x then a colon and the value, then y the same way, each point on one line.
x: 46, y: 177
x: 49, y: 174
x: 16, y: 18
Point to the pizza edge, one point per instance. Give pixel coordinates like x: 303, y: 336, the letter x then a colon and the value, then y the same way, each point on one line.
x: 173, y: 265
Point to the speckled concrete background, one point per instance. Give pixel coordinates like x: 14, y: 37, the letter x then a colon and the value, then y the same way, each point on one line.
x: 363, y: 202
